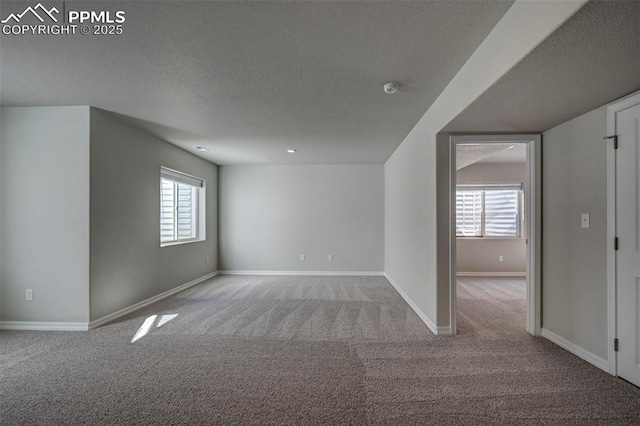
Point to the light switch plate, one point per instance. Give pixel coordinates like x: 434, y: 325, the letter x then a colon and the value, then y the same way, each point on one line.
x: 585, y: 220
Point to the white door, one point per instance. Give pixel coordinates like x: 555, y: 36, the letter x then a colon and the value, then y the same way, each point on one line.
x: 628, y: 233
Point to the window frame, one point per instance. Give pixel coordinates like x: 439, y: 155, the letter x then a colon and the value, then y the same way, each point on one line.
x: 166, y: 174
x: 496, y: 186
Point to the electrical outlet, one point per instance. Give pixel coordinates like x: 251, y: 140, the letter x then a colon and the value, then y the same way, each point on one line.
x: 500, y: 258
x: 302, y: 258
x: 29, y: 294
x: 584, y: 220
x: 330, y: 258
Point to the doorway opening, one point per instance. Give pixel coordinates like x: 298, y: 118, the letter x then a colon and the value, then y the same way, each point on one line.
x: 495, y: 224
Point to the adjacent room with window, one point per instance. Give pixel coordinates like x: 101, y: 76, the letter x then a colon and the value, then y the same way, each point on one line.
x: 491, y: 239
x: 320, y: 212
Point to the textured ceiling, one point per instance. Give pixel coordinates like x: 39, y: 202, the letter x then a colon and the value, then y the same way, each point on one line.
x: 250, y: 79
x: 517, y: 154
x: 593, y: 59
x: 468, y: 154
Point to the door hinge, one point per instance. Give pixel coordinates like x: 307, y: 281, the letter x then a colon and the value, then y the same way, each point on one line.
x: 615, y: 344
x: 615, y: 140
x: 615, y: 243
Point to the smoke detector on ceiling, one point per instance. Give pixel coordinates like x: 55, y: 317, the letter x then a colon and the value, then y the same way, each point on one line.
x: 391, y: 88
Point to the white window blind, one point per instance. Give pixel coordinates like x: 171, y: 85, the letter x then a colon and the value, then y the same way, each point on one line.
x: 179, y: 196
x: 489, y: 210
x: 469, y: 213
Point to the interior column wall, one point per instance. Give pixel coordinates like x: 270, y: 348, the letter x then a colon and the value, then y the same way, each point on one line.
x: 45, y: 214
x: 418, y: 255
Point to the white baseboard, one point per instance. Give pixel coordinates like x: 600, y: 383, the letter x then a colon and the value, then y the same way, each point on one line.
x: 135, y: 307
x: 443, y: 330
x: 44, y: 326
x: 438, y: 331
x: 491, y: 274
x: 307, y: 273
x: 578, y: 351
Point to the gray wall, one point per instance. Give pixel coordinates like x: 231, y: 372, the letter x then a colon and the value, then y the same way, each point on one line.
x: 410, y: 219
x: 269, y: 215
x: 127, y: 263
x: 574, y: 281
x: 417, y: 249
x: 1, y: 179
x: 480, y: 254
x: 45, y: 213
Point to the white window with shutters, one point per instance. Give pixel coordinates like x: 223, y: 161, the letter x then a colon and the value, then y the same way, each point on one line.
x: 489, y: 210
x: 181, y: 207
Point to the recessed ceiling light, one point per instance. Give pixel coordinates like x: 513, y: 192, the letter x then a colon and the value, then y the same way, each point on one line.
x: 201, y: 148
x: 291, y: 151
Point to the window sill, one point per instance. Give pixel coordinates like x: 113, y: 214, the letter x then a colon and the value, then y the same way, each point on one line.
x: 489, y: 238
x: 179, y: 243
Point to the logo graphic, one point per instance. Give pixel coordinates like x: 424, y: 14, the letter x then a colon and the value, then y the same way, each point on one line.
x: 48, y: 20
x: 40, y: 7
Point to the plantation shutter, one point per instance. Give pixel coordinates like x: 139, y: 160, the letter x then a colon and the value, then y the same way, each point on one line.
x: 186, y: 226
x: 167, y: 210
x: 178, y: 205
x: 181, y: 177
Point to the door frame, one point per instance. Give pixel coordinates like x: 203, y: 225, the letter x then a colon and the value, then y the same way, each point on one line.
x: 533, y: 214
x: 612, y: 309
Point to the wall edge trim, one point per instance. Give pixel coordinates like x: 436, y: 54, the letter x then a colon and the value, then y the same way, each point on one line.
x: 303, y: 273
x: 117, y: 314
x: 491, y: 274
x: 44, y: 326
x: 578, y: 351
x: 438, y: 331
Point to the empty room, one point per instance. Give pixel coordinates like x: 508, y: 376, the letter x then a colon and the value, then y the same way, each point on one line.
x: 319, y: 212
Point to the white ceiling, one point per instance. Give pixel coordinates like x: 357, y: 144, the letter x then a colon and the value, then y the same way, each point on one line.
x: 472, y: 153
x: 593, y: 59
x: 492, y: 153
x: 251, y: 79
x: 517, y: 154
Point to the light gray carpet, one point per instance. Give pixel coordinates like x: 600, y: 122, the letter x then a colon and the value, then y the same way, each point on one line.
x: 491, y: 308
x: 307, y: 350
